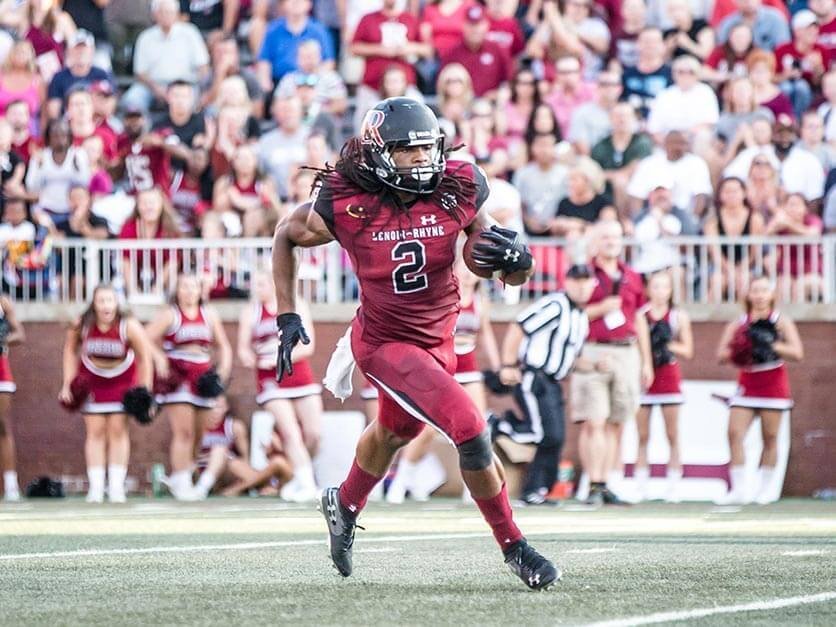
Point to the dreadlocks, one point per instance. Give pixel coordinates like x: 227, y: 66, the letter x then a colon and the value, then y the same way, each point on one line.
x: 351, y: 175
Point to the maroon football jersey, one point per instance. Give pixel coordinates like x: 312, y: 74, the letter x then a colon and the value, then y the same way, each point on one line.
x: 404, y: 263
x: 145, y: 166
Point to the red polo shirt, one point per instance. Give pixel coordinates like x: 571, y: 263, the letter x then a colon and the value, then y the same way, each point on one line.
x: 489, y: 66
x: 506, y: 32
x: 376, y: 28
x: 787, y: 55
x: 631, y: 290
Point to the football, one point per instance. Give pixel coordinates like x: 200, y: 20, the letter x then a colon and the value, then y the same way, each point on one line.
x: 467, y: 254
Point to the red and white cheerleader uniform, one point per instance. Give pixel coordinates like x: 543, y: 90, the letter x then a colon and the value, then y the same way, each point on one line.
x: 105, y: 387
x: 265, y: 344
x: 187, y: 367
x: 667, y: 379
x: 763, y: 386
x: 219, y: 435
x: 7, y: 382
x: 468, y: 325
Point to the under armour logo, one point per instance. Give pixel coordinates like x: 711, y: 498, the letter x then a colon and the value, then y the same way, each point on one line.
x: 428, y: 220
x: 534, y: 580
x: 511, y: 255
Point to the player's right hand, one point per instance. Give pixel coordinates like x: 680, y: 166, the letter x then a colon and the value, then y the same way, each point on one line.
x: 290, y: 333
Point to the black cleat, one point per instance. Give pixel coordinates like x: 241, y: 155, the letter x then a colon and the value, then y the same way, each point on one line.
x: 610, y: 497
x: 595, y: 498
x: 341, y: 526
x: 536, y: 571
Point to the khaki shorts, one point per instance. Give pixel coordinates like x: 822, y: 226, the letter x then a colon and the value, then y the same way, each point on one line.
x: 611, y: 396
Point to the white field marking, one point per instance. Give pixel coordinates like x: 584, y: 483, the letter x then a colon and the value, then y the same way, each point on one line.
x: 377, y: 550
x: 239, y: 546
x: 598, y: 550
x: 804, y: 553
x: 725, y: 509
x: 757, y: 606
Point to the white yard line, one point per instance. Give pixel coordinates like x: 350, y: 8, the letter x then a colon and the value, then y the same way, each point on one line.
x: 804, y: 553
x: 757, y: 606
x: 587, y: 551
x: 238, y: 546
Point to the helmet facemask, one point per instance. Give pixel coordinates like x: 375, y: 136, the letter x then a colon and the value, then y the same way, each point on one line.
x: 412, y: 179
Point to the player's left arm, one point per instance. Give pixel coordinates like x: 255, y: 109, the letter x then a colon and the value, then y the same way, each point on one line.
x: 223, y: 349
x: 788, y: 345
x: 506, y: 251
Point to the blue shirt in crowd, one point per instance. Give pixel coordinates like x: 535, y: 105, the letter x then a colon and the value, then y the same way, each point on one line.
x: 280, y: 44
x: 65, y: 80
x: 769, y: 31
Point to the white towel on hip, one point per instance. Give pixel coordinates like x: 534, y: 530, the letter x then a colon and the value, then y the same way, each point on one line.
x: 340, y: 368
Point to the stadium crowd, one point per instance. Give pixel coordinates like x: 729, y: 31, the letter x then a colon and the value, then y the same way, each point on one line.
x: 133, y: 119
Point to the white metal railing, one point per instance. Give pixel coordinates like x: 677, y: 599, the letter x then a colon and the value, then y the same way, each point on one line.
x: 706, y: 270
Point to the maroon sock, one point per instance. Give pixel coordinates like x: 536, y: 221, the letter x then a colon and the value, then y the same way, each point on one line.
x: 497, y: 513
x: 356, y: 488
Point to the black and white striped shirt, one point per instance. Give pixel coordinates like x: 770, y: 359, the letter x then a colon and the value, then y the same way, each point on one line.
x: 554, y: 332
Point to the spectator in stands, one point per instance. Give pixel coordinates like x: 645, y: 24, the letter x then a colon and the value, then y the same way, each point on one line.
x: 279, y: 51
x: 733, y: 128
x: 82, y: 224
x: 608, y: 396
x: 144, y: 158
x: 20, y: 80
x: 79, y: 69
x: 234, y: 124
x: 515, y: 110
x: 626, y: 31
x: 442, y: 24
x: 90, y: 16
x: 385, y: 38
x: 168, y: 52
x: 104, y: 107
x: 48, y: 29
x: 761, y: 65
x: 505, y: 29
x: 686, y: 34
x: 19, y: 118
x: 244, y: 201
x: 659, y: 220
x: 101, y: 183
x: 284, y: 146
x: 51, y: 174
x: 542, y: 184
x: 763, y: 187
x: 801, y: 170
x: 575, y: 32
x: 569, y: 91
x: 825, y: 11
x: 479, y: 134
x: 755, y: 138
x: 226, y: 62
x: 212, y: 15
x: 732, y: 217
x: 152, y: 269
x: 542, y: 120
x: 728, y: 60
x: 503, y: 203
x: 801, y: 62
x: 692, y: 187
x: 812, y: 140
x: 455, y: 93
x: 83, y: 125
x: 326, y: 82
x: 826, y: 109
x: 650, y: 75
x: 590, y: 122
x: 187, y: 140
x: 17, y: 237
x: 769, y: 26
x: 621, y: 152
x: 799, y: 265
x: 486, y: 62
x: 12, y: 167
x: 126, y: 19
x: 584, y: 203
x: 688, y: 105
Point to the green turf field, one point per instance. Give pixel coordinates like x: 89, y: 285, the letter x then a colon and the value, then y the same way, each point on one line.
x: 260, y: 562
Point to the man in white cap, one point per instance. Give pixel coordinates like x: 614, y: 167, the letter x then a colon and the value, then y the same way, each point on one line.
x: 78, y: 69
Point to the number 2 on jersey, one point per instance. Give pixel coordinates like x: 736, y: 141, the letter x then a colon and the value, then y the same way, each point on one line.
x: 408, y: 277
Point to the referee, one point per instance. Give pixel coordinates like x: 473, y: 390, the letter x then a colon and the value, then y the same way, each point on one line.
x: 538, y: 351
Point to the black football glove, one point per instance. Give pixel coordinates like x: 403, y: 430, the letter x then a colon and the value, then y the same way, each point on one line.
x: 290, y: 333
x: 505, y: 252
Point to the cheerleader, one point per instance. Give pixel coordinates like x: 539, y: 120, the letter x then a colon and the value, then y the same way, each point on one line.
x: 107, y: 374
x: 224, y: 453
x: 669, y: 329
x: 187, y: 381
x: 758, y: 343
x: 296, y: 402
x: 11, y: 332
x: 472, y: 324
